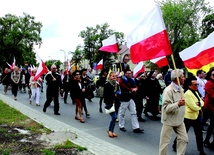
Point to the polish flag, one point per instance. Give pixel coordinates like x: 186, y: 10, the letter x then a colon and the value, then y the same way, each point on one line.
x: 11, y: 67
x: 100, y: 65
x: 199, y: 54
x: 68, y: 67
x: 42, y: 69
x: 14, y: 62
x: 138, y: 69
x: 110, y: 44
x: 149, y: 39
x: 160, y: 62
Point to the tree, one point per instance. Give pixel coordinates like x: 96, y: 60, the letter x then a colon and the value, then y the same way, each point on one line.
x: 182, y: 19
x: 77, y: 56
x: 93, y: 37
x: 18, y: 37
x: 49, y: 63
x: 207, y: 25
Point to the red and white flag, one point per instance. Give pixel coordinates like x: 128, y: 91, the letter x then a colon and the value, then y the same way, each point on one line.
x: 100, y: 65
x: 199, y: 54
x: 160, y: 62
x: 42, y: 69
x: 11, y: 67
x: 138, y: 69
x: 149, y: 39
x: 110, y: 44
x: 14, y: 62
x: 68, y: 67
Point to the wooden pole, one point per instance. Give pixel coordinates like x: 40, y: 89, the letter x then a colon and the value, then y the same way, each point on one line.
x: 173, y: 61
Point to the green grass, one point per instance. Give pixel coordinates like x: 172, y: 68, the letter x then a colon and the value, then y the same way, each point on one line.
x: 68, y: 145
x: 12, y: 117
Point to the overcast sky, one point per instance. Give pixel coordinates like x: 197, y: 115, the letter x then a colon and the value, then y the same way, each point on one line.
x: 63, y: 20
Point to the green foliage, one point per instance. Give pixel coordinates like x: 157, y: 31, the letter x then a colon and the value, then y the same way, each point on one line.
x: 93, y: 37
x: 207, y: 25
x: 9, y: 115
x: 48, y: 152
x: 183, y: 23
x: 49, y: 63
x: 78, y: 55
x: 69, y: 145
x: 18, y: 37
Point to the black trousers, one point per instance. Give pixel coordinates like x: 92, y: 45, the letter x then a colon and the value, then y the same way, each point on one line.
x: 15, y: 89
x: 197, y: 126
x: 52, y: 95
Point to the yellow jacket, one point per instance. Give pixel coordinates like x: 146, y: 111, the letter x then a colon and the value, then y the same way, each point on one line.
x: 192, y: 109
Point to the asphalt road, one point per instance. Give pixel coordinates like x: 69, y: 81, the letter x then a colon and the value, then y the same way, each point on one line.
x: 97, y: 125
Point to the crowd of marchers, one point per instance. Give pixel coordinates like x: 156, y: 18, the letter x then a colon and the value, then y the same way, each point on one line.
x: 181, y: 102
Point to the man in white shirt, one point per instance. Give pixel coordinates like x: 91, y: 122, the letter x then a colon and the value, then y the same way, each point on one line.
x: 201, y: 82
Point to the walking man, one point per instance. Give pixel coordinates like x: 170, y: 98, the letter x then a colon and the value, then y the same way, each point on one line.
x: 53, y: 85
x: 128, y: 87
x: 172, y: 118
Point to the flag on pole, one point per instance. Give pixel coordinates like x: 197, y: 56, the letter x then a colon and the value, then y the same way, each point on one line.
x: 11, y: 67
x: 110, y: 44
x: 42, y: 69
x: 14, y: 62
x: 200, y: 54
x: 138, y: 69
x: 100, y: 65
x: 160, y: 62
x: 149, y: 39
x: 68, y: 67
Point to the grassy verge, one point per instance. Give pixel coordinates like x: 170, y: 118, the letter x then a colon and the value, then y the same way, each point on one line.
x: 13, y: 142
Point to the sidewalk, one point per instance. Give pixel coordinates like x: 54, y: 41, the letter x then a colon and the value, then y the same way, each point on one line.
x: 93, y: 144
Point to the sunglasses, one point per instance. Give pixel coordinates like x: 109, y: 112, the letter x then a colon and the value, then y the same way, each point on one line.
x: 126, y: 59
x: 195, y: 84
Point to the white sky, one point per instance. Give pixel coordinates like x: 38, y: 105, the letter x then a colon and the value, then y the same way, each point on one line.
x: 63, y: 20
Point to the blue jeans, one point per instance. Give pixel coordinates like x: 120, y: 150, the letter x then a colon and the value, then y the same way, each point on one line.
x: 112, y: 122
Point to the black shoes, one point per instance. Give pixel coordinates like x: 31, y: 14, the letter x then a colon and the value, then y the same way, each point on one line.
x: 101, y: 111
x: 140, y: 119
x: 87, y: 115
x: 174, y: 147
x: 138, y: 130
x: 123, y: 129
x: 202, y: 153
x: 44, y: 109
x: 56, y: 113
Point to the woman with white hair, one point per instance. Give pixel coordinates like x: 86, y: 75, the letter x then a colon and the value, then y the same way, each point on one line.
x: 35, y: 87
x: 163, y: 86
x: 15, y: 78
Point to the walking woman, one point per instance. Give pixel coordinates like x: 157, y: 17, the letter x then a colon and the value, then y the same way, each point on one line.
x: 77, y: 91
x: 5, y: 79
x: 192, y: 115
x: 100, y: 86
x: 15, y: 78
x: 209, y: 107
x: 111, y: 91
x: 35, y: 87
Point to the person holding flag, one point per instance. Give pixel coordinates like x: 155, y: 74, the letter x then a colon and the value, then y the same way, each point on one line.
x: 53, y: 85
x: 35, y: 87
x: 5, y: 79
x: 172, y: 118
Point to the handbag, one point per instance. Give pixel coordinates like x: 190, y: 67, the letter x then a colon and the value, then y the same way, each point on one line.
x: 109, y: 110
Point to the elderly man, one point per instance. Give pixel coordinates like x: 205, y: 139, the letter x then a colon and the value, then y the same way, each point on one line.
x: 173, y: 110
x: 53, y: 85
